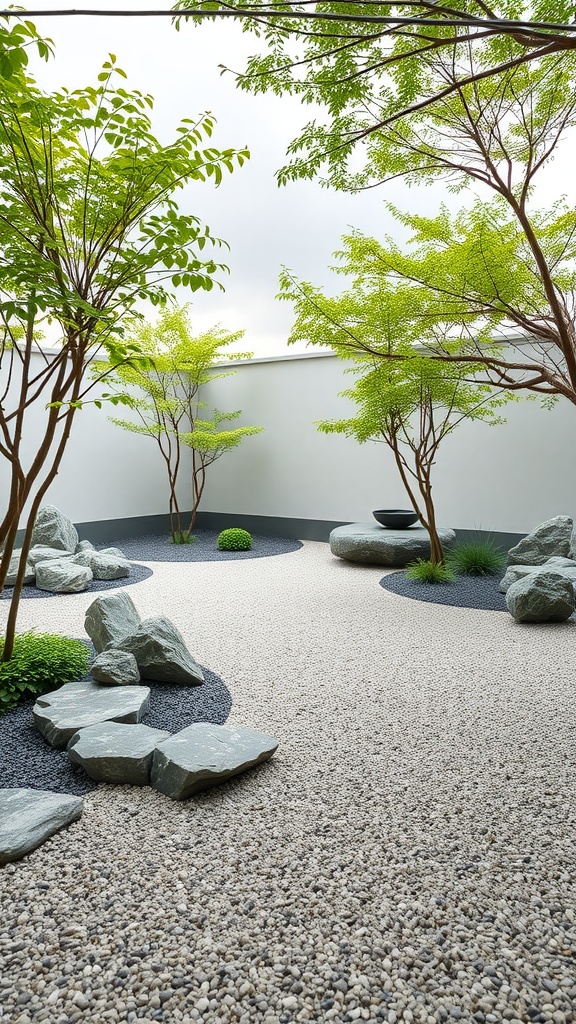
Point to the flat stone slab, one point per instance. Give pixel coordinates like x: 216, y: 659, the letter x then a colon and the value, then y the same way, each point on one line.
x: 115, y: 753
x: 204, y: 755
x: 60, y: 714
x: 28, y: 817
x: 376, y: 545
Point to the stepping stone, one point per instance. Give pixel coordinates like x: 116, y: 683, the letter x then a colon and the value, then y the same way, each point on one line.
x: 161, y: 653
x: 109, y: 618
x: 54, y: 529
x: 58, y: 715
x: 115, y: 668
x: 204, y: 755
x: 375, y: 545
x: 541, y: 597
x: 28, y: 817
x: 119, y: 754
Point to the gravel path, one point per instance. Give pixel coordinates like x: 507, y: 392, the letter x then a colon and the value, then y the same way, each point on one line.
x: 408, y: 855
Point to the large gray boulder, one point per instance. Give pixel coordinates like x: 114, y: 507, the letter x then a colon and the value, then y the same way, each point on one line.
x: 58, y: 715
x: 161, y: 653
x: 104, y: 566
x: 541, y: 597
x: 62, y: 576
x: 115, y: 753
x: 115, y: 668
x: 54, y: 529
x: 30, y: 575
x: 28, y: 817
x: 204, y: 755
x: 376, y: 545
x: 564, y: 566
x: 110, y: 618
x: 552, y: 538
x: 84, y: 545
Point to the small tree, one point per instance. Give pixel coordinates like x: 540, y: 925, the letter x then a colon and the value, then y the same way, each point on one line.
x: 411, y: 402
x: 88, y: 226
x: 168, y: 403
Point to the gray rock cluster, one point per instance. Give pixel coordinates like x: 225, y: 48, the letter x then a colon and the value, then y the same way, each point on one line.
x: 99, y: 723
x: 541, y: 575
x: 59, y: 562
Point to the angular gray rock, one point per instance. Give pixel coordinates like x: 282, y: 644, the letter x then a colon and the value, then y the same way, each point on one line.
x: 28, y: 817
x: 375, y: 545
x: 115, y: 668
x: 541, y: 597
x: 41, y: 553
x: 104, y: 566
x: 13, y: 570
x: 563, y: 566
x: 115, y: 753
x: 204, y: 755
x: 58, y: 715
x: 552, y: 538
x: 110, y: 618
x: 114, y: 553
x: 84, y: 545
x: 54, y: 529
x: 62, y: 576
x: 161, y: 652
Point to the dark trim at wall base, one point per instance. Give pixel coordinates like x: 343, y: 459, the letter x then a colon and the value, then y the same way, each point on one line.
x: 108, y: 530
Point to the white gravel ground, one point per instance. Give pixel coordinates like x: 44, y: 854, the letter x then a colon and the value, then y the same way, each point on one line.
x: 408, y: 855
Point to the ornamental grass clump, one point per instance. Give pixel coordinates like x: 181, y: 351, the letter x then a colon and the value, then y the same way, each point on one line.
x: 429, y: 572
x: 40, y: 662
x: 479, y: 557
x: 234, y: 539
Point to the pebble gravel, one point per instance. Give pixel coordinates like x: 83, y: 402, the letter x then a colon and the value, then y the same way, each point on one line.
x: 407, y: 855
x: 462, y: 592
x: 138, y: 573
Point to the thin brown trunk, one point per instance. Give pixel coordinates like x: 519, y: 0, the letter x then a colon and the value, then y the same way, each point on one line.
x: 198, y: 481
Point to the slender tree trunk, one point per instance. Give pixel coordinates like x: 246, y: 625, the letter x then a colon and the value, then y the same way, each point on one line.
x: 427, y: 516
x: 198, y: 481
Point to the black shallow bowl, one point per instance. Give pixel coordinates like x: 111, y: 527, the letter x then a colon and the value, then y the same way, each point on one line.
x: 396, y: 518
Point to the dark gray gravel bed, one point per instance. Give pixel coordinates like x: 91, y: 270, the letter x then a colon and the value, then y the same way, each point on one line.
x: 159, y: 548
x: 464, y: 592
x: 27, y: 760
x: 138, y: 573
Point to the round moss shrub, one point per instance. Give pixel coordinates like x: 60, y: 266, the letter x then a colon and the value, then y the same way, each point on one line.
x: 40, y: 662
x: 234, y: 539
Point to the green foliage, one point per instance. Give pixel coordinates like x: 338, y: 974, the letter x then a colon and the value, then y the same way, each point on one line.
x: 40, y: 662
x: 478, y: 557
x: 423, y: 571
x: 164, y: 394
x: 234, y: 539
x: 182, y: 537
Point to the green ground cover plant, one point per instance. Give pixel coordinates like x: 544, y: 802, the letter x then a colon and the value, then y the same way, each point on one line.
x: 40, y: 662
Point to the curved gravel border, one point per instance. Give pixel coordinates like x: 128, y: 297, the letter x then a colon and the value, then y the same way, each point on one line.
x: 137, y: 575
x: 27, y: 760
x: 464, y: 592
x: 159, y: 548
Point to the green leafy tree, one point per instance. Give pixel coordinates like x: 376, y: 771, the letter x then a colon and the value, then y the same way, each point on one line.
x: 476, y: 109
x: 89, y: 227
x: 165, y: 396
x: 410, y: 402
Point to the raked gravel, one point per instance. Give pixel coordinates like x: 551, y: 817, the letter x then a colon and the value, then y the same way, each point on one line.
x: 408, y: 854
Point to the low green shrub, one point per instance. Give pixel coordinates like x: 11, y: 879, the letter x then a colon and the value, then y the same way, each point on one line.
x: 427, y: 572
x: 479, y: 557
x: 40, y: 662
x: 183, y: 538
x: 234, y: 539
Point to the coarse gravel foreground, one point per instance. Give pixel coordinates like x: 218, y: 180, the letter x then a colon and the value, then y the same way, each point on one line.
x: 408, y: 854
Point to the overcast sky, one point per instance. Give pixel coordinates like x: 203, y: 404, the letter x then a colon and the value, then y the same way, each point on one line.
x: 298, y: 225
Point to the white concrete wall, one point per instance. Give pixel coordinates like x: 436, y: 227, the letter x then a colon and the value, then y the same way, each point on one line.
x: 505, y: 478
